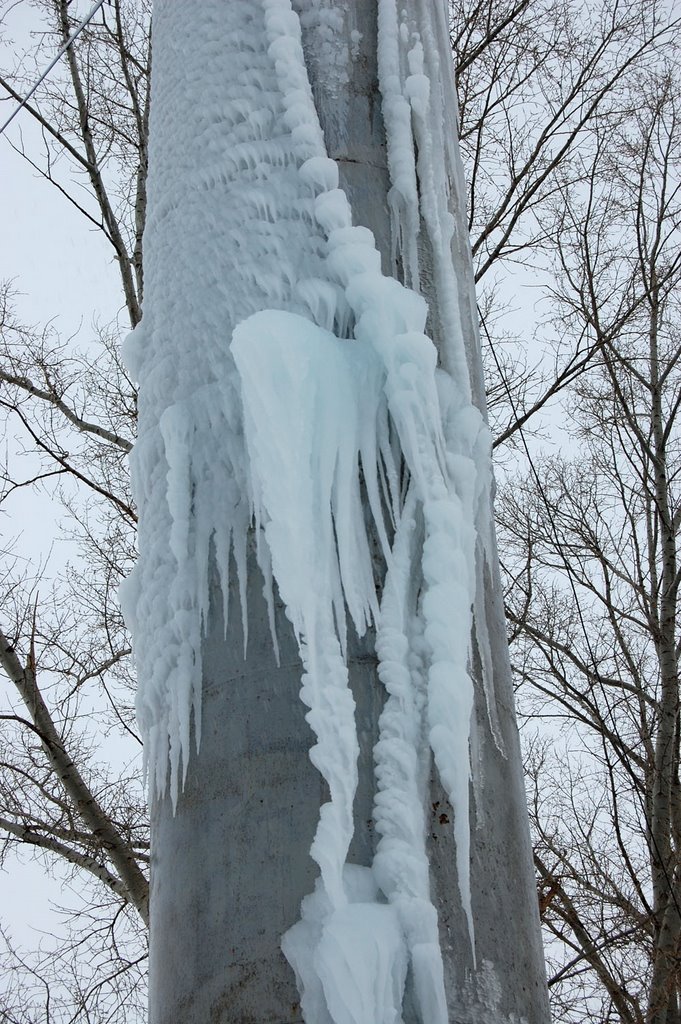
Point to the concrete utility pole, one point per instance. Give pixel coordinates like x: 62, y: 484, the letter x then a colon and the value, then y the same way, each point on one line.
x: 231, y: 866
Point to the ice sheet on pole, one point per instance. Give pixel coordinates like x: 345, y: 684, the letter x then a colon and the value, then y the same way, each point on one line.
x: 336, y: 388
x: 230, y: 228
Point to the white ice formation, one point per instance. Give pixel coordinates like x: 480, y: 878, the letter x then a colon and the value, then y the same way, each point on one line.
x: 320, y: 387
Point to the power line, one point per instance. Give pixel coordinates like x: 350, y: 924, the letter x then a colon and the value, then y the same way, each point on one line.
x: 72, y: 38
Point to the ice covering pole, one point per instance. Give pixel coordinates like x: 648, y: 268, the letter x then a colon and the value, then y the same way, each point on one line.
x: 244, y: 216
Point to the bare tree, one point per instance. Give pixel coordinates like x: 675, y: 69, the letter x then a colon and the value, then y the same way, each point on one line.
x: 71, y: 415
x: 541, y: 84
x: 591, y: 548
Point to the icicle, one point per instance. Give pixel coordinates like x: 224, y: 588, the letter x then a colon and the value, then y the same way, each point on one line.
x: 403, y: 198
x: 330, y: 390
x: 225, y: 194
x: 309, y: 401
x: 401, y: 862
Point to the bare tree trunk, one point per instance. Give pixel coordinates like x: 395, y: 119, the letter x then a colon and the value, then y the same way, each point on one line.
x: 230, y: 868
x: 665, y: 870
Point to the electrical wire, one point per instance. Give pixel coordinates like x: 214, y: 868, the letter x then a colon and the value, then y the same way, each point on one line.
x: 72, y: 38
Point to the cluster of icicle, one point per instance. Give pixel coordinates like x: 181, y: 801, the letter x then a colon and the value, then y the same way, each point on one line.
x: 329, y: 389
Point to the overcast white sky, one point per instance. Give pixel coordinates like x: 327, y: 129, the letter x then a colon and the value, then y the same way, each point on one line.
x: 59, y: 262
x: 61, y: 269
